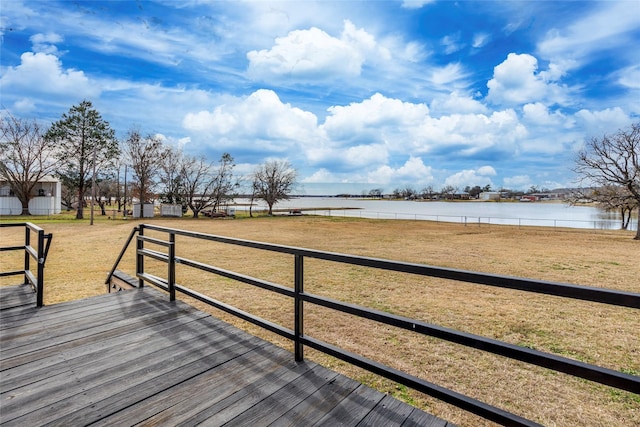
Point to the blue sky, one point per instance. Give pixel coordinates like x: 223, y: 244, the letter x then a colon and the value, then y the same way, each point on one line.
x: 356, y: 94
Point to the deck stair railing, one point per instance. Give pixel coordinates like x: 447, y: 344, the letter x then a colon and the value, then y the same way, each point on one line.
x: 37, y: 254
x: 609, y: 377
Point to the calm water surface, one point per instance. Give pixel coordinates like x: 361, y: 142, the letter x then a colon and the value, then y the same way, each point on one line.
x: 548, y: 214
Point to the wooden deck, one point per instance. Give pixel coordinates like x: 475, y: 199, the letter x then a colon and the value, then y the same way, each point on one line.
x: 134, y: 358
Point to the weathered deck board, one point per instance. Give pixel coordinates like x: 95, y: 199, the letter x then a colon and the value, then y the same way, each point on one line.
x: 16, y: 296
x: 134, y: 358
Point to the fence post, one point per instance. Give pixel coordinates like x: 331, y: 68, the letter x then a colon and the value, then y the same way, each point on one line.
x: 172, y: 267
x: 27, y: 256
x: 298, y: 308
x: 40, y: 280
x: 139, y: 256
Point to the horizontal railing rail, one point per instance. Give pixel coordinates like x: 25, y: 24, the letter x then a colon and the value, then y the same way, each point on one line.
x: 573, y: 367
x: 38, y: 254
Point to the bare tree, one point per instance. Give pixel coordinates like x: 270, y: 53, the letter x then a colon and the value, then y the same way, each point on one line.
x: 427, y: 192
x: 172, y: 186
x: 106, y: 189
x: 86, y: 146
x: 145, y: 156
x: 202, y: 185
x: 273, y: 181
x: 25, y: 157
x: 224, y: 185
x: 198, y: 185
x: 613, y: 160
x: 616, y: 198
x: 375, y: 193
x: 609, y: 198
x: 448, y: 191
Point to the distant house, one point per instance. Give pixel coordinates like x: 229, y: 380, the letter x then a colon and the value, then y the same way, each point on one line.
x: 46, y: 200
x: 461, y: 196
x: 489, y: 195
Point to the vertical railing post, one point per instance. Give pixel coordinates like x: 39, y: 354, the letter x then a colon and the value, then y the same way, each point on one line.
x: 299, y: 308
x: 40, y: 280
x: 139, y: 256
x: 171, y: 274
x: 27, y: 256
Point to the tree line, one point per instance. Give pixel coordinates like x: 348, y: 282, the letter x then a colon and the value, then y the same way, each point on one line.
x: 82, y: 151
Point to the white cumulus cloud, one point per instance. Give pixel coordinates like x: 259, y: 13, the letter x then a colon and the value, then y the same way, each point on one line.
x: 471, y: 177
x: 517, y: 81
x: 413, y: 172
x: 43, y: 73
x: 261, y: 117
x: 313, y: 54
x: 45, y: 42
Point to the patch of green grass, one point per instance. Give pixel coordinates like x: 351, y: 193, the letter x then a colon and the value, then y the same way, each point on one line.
x: 628, y: 399
x: 401, y: 392
x: 630, y: 371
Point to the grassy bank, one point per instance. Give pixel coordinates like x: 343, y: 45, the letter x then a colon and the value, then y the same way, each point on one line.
x: 81, y: 255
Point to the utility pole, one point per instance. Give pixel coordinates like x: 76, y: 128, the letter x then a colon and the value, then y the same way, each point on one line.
x: 125, y: 192
x: 93, y: 184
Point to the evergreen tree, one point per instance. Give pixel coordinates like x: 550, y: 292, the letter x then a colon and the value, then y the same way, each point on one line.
x: 86, y: 144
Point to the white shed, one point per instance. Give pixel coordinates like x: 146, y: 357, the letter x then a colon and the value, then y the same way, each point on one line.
x: 489, y: 195
x: 46, y: 200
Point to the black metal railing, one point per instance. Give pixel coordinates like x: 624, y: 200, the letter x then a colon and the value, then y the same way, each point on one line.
x: 38, y: 254
x: 557, y: 363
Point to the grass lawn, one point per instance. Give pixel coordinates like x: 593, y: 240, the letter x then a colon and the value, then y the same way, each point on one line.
x: 81, y: 255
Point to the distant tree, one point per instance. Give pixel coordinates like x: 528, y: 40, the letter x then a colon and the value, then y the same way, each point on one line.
x: 486, y: 187
x: 448, y: 191
x: 427, y: 192
x: 105, y: 190
x: 616, y: 198
x: 25, y: 157
x: 84, y: 143
x: 608, y: 198
x: 198, y: 184
x: 224, y: 184
x: 145, y: 156
x: 273, y: 181
x: 474, y: 191
x: 172, y: 185
x: 409, y: 193
x: 375, y: 192
x: 613, y: 160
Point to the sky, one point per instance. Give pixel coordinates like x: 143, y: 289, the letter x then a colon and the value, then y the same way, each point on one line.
x: 356, y: 95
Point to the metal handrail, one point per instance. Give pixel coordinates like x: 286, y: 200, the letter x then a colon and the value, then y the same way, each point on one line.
x: 122, y: 252
x: 594, y: 373
x: 39, y: 255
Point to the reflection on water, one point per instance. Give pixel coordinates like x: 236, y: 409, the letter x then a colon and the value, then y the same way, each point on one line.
x: 548, y: 214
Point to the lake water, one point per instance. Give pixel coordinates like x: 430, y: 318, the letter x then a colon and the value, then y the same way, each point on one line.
x: 548, y: 214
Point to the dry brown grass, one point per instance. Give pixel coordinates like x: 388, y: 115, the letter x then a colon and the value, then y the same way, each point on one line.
x: 81, y: 255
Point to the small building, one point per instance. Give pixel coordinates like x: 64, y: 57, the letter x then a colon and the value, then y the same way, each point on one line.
x: 489, y: 195
x: 46, y: 198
